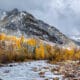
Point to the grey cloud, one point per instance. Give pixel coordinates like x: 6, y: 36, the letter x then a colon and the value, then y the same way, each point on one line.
x: 63, y: 14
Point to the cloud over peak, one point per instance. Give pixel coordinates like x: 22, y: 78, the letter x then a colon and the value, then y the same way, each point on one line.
x: 63, y: 14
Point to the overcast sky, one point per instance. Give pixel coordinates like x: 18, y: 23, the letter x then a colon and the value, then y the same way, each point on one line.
x: 63, y: 14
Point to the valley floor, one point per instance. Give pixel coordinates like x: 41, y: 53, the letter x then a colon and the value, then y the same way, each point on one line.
x: 39, y: 70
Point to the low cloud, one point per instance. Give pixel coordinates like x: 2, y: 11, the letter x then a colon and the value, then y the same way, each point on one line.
x: 63, y: 14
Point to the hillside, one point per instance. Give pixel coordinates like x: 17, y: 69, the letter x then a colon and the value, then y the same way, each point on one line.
x: 20, y: 23
x: 23, y: 37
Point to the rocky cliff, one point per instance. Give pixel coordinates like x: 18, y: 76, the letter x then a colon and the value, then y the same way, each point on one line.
x: 19, y: 23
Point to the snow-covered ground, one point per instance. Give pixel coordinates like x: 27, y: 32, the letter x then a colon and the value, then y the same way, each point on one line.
x: 28, y: 71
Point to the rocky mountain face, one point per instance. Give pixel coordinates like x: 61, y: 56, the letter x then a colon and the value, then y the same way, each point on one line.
x: 19, y: 23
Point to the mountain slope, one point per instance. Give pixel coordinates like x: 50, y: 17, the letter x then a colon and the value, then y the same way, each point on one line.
x: 19, y: 23
x: 76, y: 39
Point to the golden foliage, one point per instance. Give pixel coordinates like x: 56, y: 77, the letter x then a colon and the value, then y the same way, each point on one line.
x: 18, y: 43
x: 2, y: 36
x: 15, y: 48
x: 39, y: 52
x: 68, y: 54
x: 77, y: 55
x: 32, y: 42
x: 22, y: 39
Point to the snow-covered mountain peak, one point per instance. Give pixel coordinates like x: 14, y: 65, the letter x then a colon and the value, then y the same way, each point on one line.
x: 17, y: 22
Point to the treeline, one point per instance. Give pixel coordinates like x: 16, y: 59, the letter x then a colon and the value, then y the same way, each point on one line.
x: 21, y: 49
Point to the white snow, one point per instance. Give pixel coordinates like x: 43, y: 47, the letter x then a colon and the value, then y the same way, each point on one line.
x: 3, y: 16
x: 22, y: 14
x: 23, y: 71
x: 75, y: 37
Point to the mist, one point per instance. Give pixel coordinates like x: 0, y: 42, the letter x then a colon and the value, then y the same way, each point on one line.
x: 63, y: 14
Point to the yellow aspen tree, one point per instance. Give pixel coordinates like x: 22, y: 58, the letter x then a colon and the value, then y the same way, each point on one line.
x: 22, y: 39
x: 2, y: 36
x: 40, y: 52
x: 37, y: 56
x: 18, y: 43
x: 69, y: 53
x: 31, y: 42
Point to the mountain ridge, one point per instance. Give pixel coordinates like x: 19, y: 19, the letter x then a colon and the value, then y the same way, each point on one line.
x: 19, y: 23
